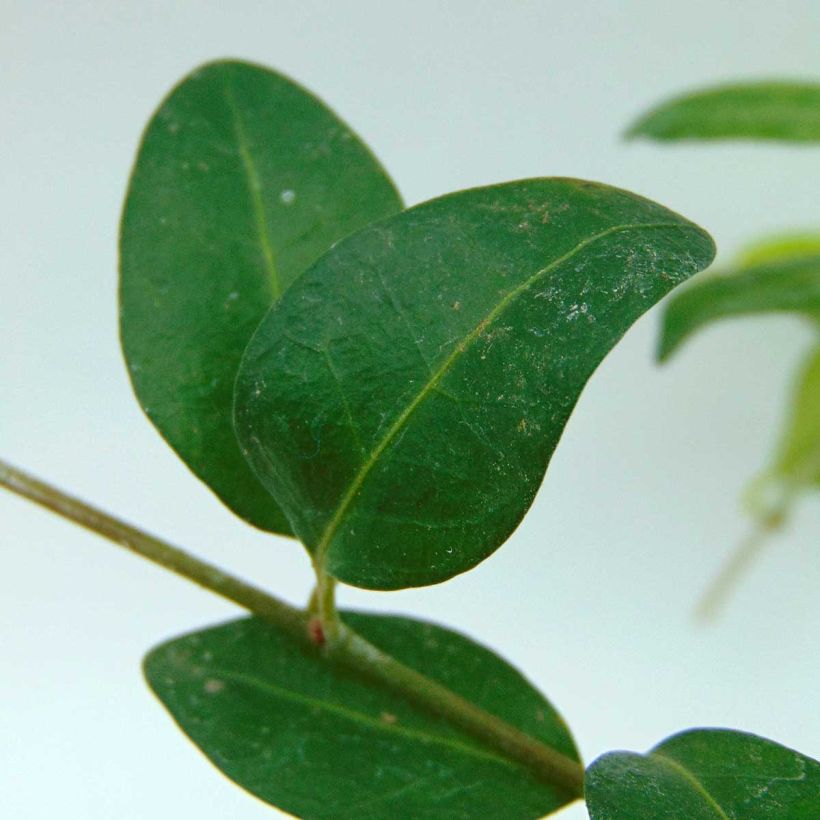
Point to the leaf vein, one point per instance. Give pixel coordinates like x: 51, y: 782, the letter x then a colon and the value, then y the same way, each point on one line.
x: 346, y: 404
x: 402, y: 419
x: 358, y: 717
x: 690, y: 778
x: 254, y: 189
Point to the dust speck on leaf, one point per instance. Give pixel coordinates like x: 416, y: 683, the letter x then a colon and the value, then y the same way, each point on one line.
x: 212, y: 686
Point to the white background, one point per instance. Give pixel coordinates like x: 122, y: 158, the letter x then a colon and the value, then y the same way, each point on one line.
x: 592, y: 597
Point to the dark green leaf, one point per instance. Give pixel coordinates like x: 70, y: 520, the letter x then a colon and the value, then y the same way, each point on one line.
x: 704, y: 774
x: 242, y: 180
x: 402, y: 401
x: 319, y: 741
x: 788, y: 111
x: 784, y: 284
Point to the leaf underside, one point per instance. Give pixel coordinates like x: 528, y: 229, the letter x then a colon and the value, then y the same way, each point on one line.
x: 705, y: 774
x: 242, y: 180
x: 402, y: 401
x: 783, y: 111
x: 319, y: 741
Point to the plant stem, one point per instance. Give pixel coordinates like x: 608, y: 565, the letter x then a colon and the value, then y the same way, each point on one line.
x: 160, y: 552
x: 715, y: 597
x: 325, y: 605
x: 343, y: 644
x: 544, y: 761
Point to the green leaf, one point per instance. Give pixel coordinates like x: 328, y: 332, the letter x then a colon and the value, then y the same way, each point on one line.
x: 242, y: 180
x: 780, y: 248
x: 778, y: 275
x: 786, y: 111
x: 319, y: 741
x: 798, y: 459
x: 795, y: 466
x: 786, y: 283
x: 704, y: 774
x: 402, y: 401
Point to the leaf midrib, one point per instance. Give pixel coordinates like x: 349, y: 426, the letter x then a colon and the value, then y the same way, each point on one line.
x: 254, y: 189
x: 347, y: 499
x: 690, y: 778
x: 357, y: 717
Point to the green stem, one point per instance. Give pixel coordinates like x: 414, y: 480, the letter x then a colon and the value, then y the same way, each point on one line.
x: 343, y: 644
x: 718, y: 593
x: 544, y: 761
x: 323, y: 605
x: 160, y: 552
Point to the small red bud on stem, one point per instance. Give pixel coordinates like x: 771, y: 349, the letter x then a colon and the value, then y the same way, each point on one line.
x: 316, y: 632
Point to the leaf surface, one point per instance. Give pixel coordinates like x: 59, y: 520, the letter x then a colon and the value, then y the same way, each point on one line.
x: 785, y: 111
x: 705, y: 774
x: 319, y: 741
x: 242, y: 180
x: 402, y: 401
x: 788, y: 283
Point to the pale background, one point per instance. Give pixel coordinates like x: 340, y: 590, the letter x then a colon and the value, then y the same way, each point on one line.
x: 592, y: 597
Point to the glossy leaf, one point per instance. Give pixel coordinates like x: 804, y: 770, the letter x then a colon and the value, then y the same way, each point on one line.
x: 786, y: 111
x: 705, y: 774
x: 242, y: 180
x: 402, y: 401
x: 788, y: 283
x: 322, y: 742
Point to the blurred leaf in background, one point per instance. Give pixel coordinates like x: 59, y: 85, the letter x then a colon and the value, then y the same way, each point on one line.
x: 778, y: 275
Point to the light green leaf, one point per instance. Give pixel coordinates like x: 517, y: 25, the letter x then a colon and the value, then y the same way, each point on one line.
x: 798, y: 459
x: 242, y: 180
x: 781, y: 275
x: 402, y: 401
x: 785, y: 283
x: 786, y: 111
x: 780, y: 248
x: 705, y: 774
x: 319, y: 741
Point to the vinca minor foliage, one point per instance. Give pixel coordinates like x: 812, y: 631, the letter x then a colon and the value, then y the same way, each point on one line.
x: 387, y: 386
